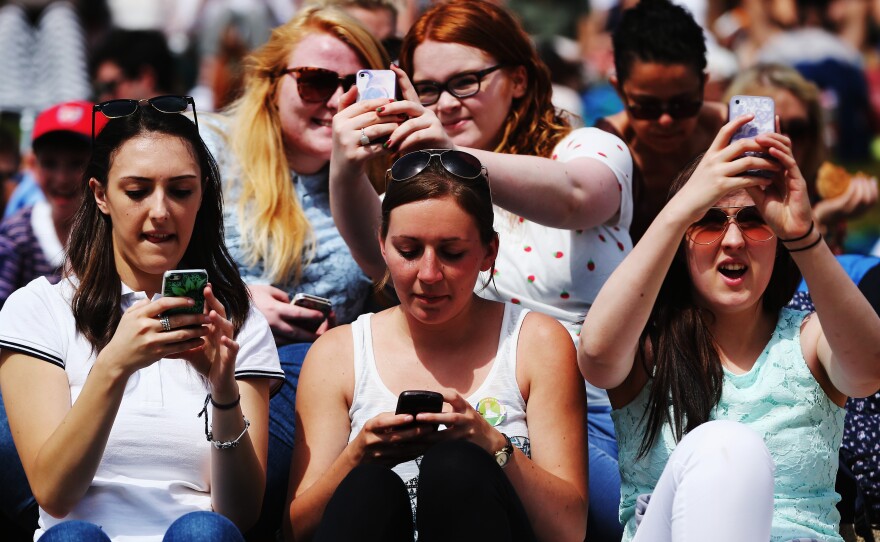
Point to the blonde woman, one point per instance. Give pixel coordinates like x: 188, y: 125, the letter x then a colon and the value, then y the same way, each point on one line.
x: 273, y: 146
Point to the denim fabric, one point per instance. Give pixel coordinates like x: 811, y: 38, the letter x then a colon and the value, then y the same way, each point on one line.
x: 18, y: 508
x: 281, y: 426
x: 75, y: 531
x: 202, y: 527
x: 603, y: 524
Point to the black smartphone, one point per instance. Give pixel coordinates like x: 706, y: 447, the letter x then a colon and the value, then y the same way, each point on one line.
x: 416, y: 401
x: 185, y: 283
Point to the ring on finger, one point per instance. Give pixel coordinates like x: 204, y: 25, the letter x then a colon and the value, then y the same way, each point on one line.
x: 364, y: 141
x: 166, y: 323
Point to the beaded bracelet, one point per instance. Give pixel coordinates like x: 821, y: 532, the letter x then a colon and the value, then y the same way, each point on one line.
x: 209, y: 434
x: 802, y: 237
x: 808, y: 247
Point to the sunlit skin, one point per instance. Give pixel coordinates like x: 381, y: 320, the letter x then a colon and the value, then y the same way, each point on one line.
x: 306, y: 126
x: 725, y: 294
x: 475, y: 121
x: 153, y: 193
x: 434, y: 254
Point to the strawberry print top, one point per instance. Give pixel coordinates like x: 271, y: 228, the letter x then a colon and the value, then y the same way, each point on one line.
x: 559, y: 272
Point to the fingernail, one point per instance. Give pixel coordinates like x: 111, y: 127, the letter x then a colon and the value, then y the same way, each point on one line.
x: 380, y: 109
x: 391, y: 101
x: 386, y: 144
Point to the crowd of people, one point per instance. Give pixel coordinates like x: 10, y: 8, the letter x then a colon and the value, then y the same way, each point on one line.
x: 615, y: 320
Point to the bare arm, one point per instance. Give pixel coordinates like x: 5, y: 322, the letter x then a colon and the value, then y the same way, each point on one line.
x: 61, y: 445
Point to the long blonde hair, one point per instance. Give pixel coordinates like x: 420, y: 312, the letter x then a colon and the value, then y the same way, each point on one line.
x: 274, y: 228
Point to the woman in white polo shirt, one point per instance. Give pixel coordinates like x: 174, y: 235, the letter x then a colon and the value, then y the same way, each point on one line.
x: 102, y: 387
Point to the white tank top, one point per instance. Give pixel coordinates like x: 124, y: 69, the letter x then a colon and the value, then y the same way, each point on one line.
x: 498, y: 399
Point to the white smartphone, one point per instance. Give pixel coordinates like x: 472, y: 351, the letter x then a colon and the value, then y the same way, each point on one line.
x: 764, y: 122
x: 376, y: 84
x: 313, y: 302
x: 185, y: 283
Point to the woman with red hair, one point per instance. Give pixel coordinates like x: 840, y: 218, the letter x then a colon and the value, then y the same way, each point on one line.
x: 563, y: 196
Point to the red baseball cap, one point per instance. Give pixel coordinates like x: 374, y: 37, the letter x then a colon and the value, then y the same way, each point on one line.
x: 71, y: 117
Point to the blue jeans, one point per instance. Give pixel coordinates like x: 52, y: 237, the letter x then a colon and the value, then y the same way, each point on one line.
x: 18, y: 508
x: 281, y: 426
x: 195, y: 526
x: 603, y: 524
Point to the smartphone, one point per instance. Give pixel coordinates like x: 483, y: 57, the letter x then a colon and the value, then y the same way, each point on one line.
x: 185, y: 283
x: 313, y: 302
x: 416, y: 401
x: 764, y: 122
x: 376, y: 84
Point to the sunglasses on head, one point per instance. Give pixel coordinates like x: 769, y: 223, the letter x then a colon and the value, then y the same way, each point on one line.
x: 715, y: 222
x: 461, y: 85
x: 653, y: 108
x: 318, y: 84
x: 115, y: 109
x: 458, y: 163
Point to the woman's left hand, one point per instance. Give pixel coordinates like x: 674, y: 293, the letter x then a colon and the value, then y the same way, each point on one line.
x: 463, y: 423
x: 784, y: 203
x: 216, y: 359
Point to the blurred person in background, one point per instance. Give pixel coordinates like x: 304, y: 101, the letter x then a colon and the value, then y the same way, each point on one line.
x: 133, y: 64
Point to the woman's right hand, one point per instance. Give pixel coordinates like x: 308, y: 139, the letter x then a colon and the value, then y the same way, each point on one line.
x: 720, y: 171
x: 289, y: 323
x: 390, y: 439
x: 140, y: 341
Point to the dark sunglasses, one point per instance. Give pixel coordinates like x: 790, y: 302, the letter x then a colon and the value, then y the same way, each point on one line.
x: 318, y: 84
x: 715, y: 222
x: 461, y: 85
x: 797, y: 129
x: 461, y: 164
x: 653, y: 109
x: 115, y: 109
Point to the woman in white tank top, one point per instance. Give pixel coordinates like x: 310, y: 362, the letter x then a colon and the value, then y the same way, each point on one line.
x: 506, y: 456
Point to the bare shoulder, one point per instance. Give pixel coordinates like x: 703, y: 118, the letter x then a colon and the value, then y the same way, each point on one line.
x: 545, y: 342
x: 331, y: 357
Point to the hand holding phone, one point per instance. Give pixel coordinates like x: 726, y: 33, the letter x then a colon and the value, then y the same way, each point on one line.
x: 416, y: 401
x: 312, y: 302
x: 185, y: 283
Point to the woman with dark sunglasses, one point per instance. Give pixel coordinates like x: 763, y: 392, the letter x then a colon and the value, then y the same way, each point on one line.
x: 273, y: 146
x: 728, y: 406
x: 104, y: 387
x: 505, y: 459
x: 801, y: 119
x: 563, y: 196
x: 660, y: 72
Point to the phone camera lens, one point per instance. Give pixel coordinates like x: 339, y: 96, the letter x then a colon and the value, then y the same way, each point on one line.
x: 737, y: 102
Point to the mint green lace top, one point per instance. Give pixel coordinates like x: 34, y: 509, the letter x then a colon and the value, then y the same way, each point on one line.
x: 780, y: 400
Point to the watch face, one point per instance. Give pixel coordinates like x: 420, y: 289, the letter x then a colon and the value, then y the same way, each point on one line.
x: 501, y: 458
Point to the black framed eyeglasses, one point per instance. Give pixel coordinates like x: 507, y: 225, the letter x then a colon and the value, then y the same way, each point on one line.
x: 115, y: 109
x: 461, y: 85
x: 318, y: 84
x: 716, y: 221
x: 459, y: 163
x: 653, y: 108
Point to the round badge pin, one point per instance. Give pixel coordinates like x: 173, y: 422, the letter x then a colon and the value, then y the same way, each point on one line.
x: 492, y: 411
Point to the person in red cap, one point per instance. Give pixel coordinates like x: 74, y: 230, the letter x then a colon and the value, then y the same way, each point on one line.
x: 32, y: 240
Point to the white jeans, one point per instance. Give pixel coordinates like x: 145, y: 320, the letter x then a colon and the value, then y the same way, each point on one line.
x: 717, y: 485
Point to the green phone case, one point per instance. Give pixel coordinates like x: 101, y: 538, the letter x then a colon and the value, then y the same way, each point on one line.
x: 186, y: 283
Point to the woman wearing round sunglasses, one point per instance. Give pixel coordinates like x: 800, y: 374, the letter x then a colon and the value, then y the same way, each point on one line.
x: 105, y: 387
x: 273, y: 147
x: 800, y: 118
x: 563, y: 196
x: 728, y: 406
x: 506, y: 458
x: 660, y: 63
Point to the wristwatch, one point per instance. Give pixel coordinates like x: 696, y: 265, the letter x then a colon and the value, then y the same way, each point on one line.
x: 503, y: 455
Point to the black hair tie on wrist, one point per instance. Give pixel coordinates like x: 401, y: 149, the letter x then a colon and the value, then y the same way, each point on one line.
x: 226, y: 406
x: 802, y: 237
x: 808, y: 247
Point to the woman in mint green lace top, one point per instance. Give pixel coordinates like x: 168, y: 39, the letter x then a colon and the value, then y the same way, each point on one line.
x: 690, y: 330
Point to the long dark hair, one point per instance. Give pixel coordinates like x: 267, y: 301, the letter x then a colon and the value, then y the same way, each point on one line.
x: 686, y: 373
x: 96, y: 301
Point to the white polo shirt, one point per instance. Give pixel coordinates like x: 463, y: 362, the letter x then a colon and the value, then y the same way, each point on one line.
x: 156, y: 466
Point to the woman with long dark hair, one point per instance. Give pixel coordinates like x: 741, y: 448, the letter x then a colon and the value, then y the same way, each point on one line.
x: 102, y: 383
x: 728, y: 406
